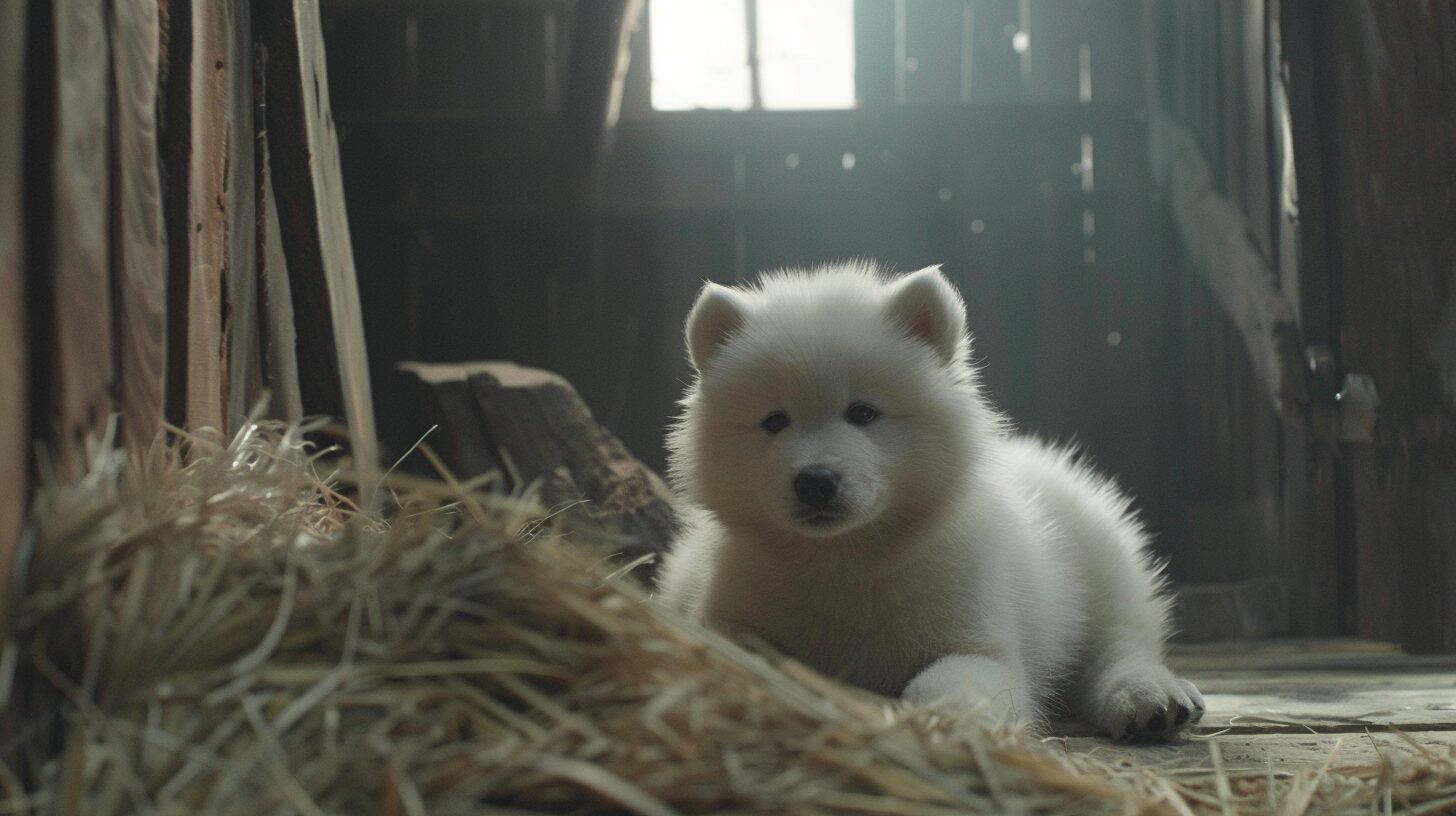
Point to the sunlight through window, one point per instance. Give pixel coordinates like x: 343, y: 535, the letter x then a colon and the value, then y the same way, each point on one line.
x: 806, y: 54
x: 700, y: 54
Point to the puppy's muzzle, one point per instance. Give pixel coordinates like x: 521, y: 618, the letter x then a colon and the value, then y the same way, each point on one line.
x: 816, y: 486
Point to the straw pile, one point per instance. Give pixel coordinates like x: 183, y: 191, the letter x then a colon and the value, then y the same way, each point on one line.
x: 222, y: 632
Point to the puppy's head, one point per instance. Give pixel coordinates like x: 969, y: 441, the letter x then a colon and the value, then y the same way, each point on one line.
x: 826, y: 402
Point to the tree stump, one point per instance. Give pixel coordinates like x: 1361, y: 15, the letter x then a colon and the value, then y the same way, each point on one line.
x: 489, y: 412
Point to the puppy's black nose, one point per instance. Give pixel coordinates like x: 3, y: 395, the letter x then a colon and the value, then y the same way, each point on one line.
x: 815, y: 486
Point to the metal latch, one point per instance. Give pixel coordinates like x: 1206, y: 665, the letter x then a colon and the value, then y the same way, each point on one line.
x: 1358, y: 401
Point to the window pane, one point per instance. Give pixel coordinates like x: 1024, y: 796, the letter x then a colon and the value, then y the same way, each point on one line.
x: 699, y: 54
x: 806, y: 53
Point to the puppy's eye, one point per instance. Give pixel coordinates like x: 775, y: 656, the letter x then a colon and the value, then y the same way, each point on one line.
x: 775, y: 422
x: 860, y: 414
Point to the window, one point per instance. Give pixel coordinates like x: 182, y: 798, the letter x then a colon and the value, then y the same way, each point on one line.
x: 742, y: 54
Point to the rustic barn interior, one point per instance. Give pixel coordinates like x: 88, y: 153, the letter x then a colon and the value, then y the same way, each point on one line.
x: 1210, y: 241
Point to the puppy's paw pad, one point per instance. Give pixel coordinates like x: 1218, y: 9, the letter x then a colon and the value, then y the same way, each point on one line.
x: 1138, y: 707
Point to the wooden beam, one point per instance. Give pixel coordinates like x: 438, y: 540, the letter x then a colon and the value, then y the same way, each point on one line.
x: 304, y: 153
x: 141, y: 259
x: 80, y: 251
x: 1217, y: 240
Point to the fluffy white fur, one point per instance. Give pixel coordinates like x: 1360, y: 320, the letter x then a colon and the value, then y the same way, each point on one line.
x: 957, y: 564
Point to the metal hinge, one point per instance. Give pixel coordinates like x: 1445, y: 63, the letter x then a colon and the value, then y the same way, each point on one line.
x: 1359, y: 402
x: 1354, y: 395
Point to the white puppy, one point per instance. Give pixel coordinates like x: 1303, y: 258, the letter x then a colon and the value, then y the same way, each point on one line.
x: 852, y: 499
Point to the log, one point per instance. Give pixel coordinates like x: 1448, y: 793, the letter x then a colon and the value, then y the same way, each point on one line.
x: 532, y: 426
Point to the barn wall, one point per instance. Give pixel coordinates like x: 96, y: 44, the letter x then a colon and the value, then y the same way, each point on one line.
x: 452, y: 129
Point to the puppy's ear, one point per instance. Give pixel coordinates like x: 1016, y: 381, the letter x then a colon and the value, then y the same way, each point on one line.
x: 718, y: 312
x: 931, y: 311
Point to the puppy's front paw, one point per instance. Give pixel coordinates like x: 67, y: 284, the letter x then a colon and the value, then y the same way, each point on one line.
x: 1146, y: 703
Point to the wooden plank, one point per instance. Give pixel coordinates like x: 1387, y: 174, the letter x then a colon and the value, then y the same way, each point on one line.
x: 1216, y: 238
x: 209, y: 78
x: 304, y: 153
x: 1308, y: 709
x: 1258, y: 754
x: 277, y: 334
x: 80, y: 249
x: 14, y: 370
x: 1394, y: 257
x: 141, y: 260
x: 241, y: 278
x: 1310, y: 553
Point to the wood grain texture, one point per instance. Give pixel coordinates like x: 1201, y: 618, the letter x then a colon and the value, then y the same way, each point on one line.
x: 81, y: 252
x: 14, y: 372
x: 207, y: 208
x: 241, y: 281
x: 141, y: 259
x: 533, y: 427
x: 304, y: 152
x: 1391, y: 74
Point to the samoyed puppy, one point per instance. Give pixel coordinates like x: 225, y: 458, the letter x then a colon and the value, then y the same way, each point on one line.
x: 852, y: 498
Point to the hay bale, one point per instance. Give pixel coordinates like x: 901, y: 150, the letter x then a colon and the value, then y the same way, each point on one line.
x: 231, y: 635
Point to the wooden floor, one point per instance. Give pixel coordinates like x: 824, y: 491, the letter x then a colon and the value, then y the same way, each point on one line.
x: 1290, y: 701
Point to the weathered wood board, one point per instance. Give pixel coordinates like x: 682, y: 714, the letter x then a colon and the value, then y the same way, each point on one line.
x: 1287, y: 702
x: 308, y: 183
x: 277, y: 335
x: 207, y: 197
x: 80, y: 240
x: 1259, y: 754
x: 244, y: 352
x: 141, y: 262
